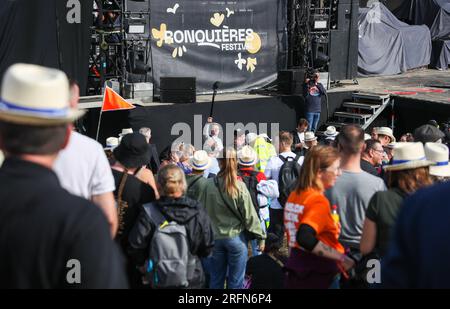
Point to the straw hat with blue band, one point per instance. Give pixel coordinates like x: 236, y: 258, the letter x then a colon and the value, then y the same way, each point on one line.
x: 408, y: 156
x: 35, y: 95
x: 200, y: 161
x: 438, y: 154
x: 247, y: 156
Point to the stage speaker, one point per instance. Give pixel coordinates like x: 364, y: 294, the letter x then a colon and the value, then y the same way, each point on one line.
x: 178, y: 89
x: 343, y: 47
x: 137, y: 6
x: 291, y: 81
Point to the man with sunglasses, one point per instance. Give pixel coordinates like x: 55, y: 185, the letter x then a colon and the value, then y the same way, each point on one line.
x: 372, y: 157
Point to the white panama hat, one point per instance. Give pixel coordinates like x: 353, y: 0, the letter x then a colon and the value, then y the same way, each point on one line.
x: 331, y: 132
x: 200, y: 161
x: 111, y: 143
x: 386, y: 131
x: 247, y: 156
x: 438, y: 153
x: 408, y: 156
x: 36, y: 95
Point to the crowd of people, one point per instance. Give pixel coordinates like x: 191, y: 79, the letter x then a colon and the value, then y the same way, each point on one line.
x: 295, y: 211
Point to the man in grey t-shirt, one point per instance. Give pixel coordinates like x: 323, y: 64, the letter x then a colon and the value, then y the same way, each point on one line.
x: 354, y: 189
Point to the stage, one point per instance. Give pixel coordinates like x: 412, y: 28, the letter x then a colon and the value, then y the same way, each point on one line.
x: 418, y: 96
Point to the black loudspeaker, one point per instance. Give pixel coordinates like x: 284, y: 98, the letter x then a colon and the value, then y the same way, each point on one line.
x: 291, y: 81
x: 343, y: 47
x: 136, y: 6
x: 178, y: 89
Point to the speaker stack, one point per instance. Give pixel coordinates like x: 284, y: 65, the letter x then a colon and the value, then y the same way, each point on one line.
x: 178, y: 89
x: 343, y: 48
x: 291, y: 81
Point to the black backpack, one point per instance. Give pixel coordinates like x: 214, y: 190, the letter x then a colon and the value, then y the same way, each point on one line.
x: 287, y: 178
x: 251, y: 183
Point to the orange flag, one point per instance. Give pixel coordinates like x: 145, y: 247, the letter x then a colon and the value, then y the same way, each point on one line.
x: 112, y: 101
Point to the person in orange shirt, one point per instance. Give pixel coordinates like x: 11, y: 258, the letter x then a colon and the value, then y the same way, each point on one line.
x: 316, y: 256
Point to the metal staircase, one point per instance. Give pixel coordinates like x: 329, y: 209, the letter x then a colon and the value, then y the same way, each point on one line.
x: 363, y: 110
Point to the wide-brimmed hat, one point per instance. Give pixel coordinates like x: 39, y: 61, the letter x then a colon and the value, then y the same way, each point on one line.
x: 133, y: 151
x: 408, y: 156
x: 200, y: 161
x: 428, y: 134
x: 331, y: 132
x: 247, y: 156
x: 111, y: 143
x: 367, y: 137
x: 264, y: 135
x: 251, y: 137
x: 438, y: 154
x: 390, y: 145
x: 36, y: 95
x: 310, y: 136
x: 386, y: 131
x: 126, y: 131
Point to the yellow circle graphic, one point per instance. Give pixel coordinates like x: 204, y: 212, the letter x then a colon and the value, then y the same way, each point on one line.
x: 253, y: 43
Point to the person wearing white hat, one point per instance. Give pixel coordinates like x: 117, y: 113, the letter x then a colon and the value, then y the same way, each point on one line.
x: 264, y: 150
x: 247, y: 159
x: 438, y: 154
x: 125, y: 132
x: 250, y: 138
x: 330, y: 136
x: 310, y: 140
x: 385, y: 135
x: 407, y: 173
x: 196, y: 183
x: 55, y: 226
x: 111, y: 143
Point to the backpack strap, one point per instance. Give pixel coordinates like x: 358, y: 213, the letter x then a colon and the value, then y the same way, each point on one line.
x: 297, y: 157
x: 156, y: 216
x: 282, y: 158
x: 285, y: 159
x: 193, y: 183
x: 238, y: 216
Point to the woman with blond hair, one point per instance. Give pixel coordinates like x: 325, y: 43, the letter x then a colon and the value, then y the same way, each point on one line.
x: 230, y: 208
x: 408, y: 172
x: 173, y: 206
x: 312, y: 225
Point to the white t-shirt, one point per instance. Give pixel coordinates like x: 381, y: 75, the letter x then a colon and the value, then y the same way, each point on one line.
x: 273, y: 170
x: 301, y: 136
x: 83, y: 168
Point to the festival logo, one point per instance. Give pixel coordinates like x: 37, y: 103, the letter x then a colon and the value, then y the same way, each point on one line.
x: 244, y: 42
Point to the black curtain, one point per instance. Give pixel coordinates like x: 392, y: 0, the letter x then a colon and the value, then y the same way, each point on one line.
x: 37, y: 31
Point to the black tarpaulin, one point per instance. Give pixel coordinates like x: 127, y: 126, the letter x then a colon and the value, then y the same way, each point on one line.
x: 433, y: 13
x: 40, y: 32
x: 388, y: 46
x: 440, y: 58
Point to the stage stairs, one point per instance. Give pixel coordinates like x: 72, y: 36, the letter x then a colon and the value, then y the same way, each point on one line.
x: 363, y: 109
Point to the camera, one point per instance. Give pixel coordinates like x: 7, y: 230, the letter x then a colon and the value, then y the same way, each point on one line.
x: 311, y: 76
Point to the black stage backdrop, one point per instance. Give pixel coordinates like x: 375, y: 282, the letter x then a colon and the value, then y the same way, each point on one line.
x: 39, y: 32
x: 161, y: 118
x: 242, y: 44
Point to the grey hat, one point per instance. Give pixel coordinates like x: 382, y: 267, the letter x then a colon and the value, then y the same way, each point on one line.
x: 428, y: 134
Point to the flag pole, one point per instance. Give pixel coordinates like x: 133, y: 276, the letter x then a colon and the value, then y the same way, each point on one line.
x: 98, y: 127
x: 101, y: 112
